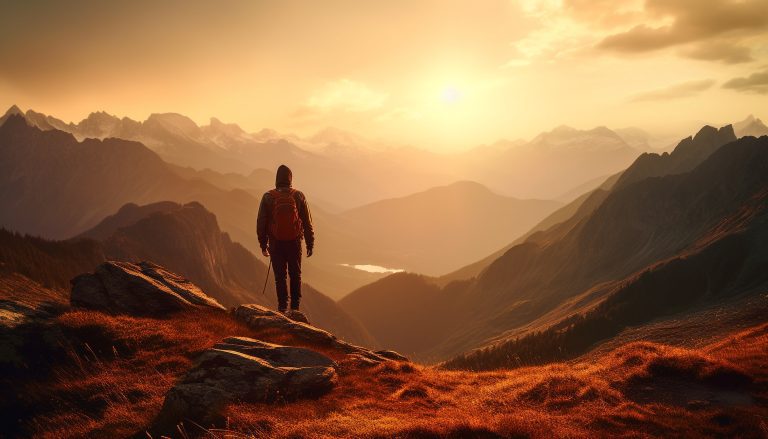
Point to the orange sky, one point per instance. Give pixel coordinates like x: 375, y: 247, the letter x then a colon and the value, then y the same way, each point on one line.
x: 437, y: 74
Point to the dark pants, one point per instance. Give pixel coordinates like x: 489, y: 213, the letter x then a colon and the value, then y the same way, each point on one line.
x: 286, y: 256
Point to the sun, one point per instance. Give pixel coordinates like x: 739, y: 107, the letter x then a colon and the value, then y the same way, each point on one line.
x: 450, y: 95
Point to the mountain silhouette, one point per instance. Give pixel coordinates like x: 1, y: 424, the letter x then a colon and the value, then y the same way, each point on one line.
x: 686, y: 155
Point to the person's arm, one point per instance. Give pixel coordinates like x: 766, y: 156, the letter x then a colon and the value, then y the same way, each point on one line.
x: 262, y: 222
x: 306, y: 221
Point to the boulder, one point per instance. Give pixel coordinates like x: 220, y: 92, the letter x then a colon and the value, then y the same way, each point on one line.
x: 139, y: 289
x: 235, y: 371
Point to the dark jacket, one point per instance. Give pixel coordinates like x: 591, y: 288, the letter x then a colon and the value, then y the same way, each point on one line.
x: 283, y: 183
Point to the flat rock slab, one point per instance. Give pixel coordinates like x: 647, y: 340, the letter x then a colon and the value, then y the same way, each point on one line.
x: 259, y: 317
x: 138, y: 289
x: 276, y: 355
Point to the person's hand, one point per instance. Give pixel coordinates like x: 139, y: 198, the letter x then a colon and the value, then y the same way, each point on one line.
x: 309, y: 252
x: 265, y: 252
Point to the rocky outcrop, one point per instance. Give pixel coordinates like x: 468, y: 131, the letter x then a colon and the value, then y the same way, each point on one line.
x: 138, y: 289
x: 241, y: 369
x: 259, y: 317
x: 246, y: 370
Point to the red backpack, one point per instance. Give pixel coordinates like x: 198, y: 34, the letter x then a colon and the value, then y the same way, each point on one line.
x: 285, y: 224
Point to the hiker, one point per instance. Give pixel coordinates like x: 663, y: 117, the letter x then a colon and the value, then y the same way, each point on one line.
x: 283, y: 221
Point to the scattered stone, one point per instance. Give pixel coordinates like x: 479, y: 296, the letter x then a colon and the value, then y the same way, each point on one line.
x: 139, y: 289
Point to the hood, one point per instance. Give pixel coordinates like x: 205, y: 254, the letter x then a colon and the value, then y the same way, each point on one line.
x: 284, y: 177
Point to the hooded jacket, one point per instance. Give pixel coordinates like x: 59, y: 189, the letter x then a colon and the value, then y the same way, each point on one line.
x: 283, y: 182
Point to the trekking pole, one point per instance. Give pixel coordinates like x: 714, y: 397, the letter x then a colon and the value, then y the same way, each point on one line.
x: 263, y: 290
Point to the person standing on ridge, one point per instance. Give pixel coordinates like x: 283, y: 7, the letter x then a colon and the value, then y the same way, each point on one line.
x: 284, y: 219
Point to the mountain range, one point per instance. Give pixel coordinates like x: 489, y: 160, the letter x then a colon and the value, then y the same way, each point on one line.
x: 346, y: 170
x: 81, y: 182
x: 685, y: 204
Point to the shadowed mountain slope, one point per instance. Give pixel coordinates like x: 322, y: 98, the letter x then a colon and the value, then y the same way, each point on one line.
x: 575, y: 265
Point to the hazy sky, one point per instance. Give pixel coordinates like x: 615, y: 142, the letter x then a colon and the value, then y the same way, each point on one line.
x: 435, y: 73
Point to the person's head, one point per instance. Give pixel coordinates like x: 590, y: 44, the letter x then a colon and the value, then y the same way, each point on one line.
x: 284, y: 177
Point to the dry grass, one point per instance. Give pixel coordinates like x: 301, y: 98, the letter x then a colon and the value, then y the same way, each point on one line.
x: 114, y: 371
x: 639, y: 390
x: 118, y: 368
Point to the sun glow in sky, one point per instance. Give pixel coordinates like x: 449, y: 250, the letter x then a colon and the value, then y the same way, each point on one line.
x: 373, y: 67
x: 450, y: 95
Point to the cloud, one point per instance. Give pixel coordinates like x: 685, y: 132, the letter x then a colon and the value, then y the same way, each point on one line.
x: 690, y: 21
x: 346, y: 95
x: 563, y: 28
x: 754, y: 83
x: 682, y: 90
x: 723, y: 51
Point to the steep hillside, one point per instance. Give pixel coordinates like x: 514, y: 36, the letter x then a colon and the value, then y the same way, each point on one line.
x: 424, y: 312
x: 639, y: 225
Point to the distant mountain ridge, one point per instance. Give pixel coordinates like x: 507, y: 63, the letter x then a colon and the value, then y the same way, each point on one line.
x: 461, y: 217
x: 339, y: 165
x: 751, y: 126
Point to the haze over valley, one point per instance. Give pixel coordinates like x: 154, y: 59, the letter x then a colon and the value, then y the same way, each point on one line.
x: 407, y: 219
